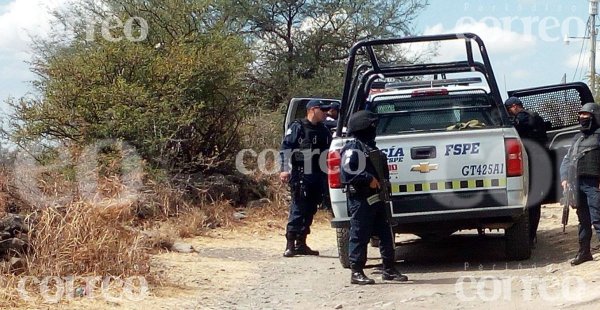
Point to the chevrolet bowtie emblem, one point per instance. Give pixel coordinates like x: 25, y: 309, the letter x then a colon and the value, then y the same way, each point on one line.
x: 424, y: 167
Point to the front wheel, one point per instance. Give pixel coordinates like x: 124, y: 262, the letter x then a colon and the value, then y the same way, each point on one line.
x: 343, y: 242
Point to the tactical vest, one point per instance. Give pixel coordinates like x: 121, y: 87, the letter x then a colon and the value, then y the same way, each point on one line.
x: 313, y: 141
x: 364, y: 149
x: 589, y: 164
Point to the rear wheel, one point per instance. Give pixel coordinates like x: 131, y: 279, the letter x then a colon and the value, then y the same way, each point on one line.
x: 517, y: 239
x: 343, y: 241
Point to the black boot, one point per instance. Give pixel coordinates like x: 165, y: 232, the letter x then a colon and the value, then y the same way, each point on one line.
x: 290, y: 250
x: 302, y: 248
x: 582, y: 257
x: 391, y: 274
x: 359, y: 277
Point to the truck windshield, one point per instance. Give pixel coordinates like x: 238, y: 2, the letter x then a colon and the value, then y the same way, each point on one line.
x: 405, y: 113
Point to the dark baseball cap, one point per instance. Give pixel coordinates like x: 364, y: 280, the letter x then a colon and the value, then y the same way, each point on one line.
x: 512, y: 101
x: 323, y: 105
x: 335, y: 106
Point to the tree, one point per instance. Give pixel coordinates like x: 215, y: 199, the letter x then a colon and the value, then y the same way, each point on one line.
x: 301, y: 45
x: 177, y: 96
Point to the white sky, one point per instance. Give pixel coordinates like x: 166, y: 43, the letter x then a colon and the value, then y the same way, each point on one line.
x: 525, y: 38
x: 19, y: 20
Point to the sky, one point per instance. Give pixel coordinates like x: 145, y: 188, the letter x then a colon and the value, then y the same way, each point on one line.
x: 525, y: 38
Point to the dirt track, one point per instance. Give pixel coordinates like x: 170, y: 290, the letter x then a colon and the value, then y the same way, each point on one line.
x: 465, y: 271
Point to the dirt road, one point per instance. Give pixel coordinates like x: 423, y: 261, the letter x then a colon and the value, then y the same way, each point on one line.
x: 247, y: 271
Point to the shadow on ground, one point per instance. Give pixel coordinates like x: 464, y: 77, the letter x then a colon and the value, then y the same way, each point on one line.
x: 470, y: 251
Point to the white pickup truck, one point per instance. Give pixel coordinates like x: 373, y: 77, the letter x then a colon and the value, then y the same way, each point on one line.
x: 455, y: 160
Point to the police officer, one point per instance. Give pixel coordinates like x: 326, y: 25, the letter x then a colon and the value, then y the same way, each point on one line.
x: 580, y: 168
x: 368, y: 215
x: 302, y: 148
x: 532, y: 130
x: 331, y: 124
x: 332, y: 116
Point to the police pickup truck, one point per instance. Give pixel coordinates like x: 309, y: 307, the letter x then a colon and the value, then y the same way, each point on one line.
x: 455, y: 160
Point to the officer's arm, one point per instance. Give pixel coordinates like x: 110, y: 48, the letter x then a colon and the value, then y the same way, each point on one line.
x: 353, y: 168
x: 522, y: 124
x: 288, y: 145
x: 564, y: 166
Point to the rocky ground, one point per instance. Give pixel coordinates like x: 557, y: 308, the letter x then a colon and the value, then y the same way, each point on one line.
x: 245, y: 270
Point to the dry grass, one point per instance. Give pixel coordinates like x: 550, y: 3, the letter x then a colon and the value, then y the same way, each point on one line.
x: 82, y: 239
x: 111, y: 236
x: 274, y: 216
x: 78, y: 240
x: 9, y: 297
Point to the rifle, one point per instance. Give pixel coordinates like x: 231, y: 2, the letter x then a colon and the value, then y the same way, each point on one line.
x: 379, y: 161
x: 567, y: 201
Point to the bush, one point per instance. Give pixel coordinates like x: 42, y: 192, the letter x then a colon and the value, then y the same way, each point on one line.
x: 179, y: 103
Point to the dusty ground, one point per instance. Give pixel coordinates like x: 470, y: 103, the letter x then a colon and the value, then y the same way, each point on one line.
x: 245, y: 270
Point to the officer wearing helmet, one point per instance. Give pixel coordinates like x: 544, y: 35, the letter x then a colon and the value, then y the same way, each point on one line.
x: 580, y: 170
x: 302, y: 167
x: 532, y: 130
x: 368, y: 214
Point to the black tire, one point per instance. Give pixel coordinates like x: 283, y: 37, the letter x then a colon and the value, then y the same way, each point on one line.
x: 517, y: 239
x: 343, y: 241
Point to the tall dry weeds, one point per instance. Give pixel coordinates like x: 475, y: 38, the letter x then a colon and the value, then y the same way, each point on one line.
x: 112, y: 237
x: 82, y: 239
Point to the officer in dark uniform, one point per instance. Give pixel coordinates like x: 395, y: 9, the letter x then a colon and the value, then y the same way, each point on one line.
x: 332, y: 116
x: 532, y: 130
x: 368, y: 214
x: 304, y: 150
x: 581, y: 169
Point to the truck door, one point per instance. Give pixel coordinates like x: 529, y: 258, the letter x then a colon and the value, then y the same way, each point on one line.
x: 558, y: 106
x: 297, y: 110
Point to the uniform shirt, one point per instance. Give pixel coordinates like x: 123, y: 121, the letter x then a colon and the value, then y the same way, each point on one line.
x: 295, y: 141
x: 330, y: 122
x: 531, y: 125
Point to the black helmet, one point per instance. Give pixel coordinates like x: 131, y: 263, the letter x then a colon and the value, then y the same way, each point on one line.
x: 590, y: 107
x: 361, y: 120
x: 594, y: 109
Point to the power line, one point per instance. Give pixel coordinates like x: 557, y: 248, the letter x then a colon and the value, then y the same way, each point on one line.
x: 587, y: 28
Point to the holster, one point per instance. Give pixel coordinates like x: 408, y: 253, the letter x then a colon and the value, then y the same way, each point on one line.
x: 298, y: 190
x: 359, y: 192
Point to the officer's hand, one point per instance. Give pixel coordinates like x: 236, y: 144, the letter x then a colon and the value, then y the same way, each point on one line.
x: 284, y: 177
x: 374, y: 184
x: 564, y: 185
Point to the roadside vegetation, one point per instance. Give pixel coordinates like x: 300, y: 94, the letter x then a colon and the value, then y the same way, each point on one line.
x: 125, y: 147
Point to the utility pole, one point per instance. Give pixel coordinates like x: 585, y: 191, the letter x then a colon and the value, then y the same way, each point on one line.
x: 593, y: 13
